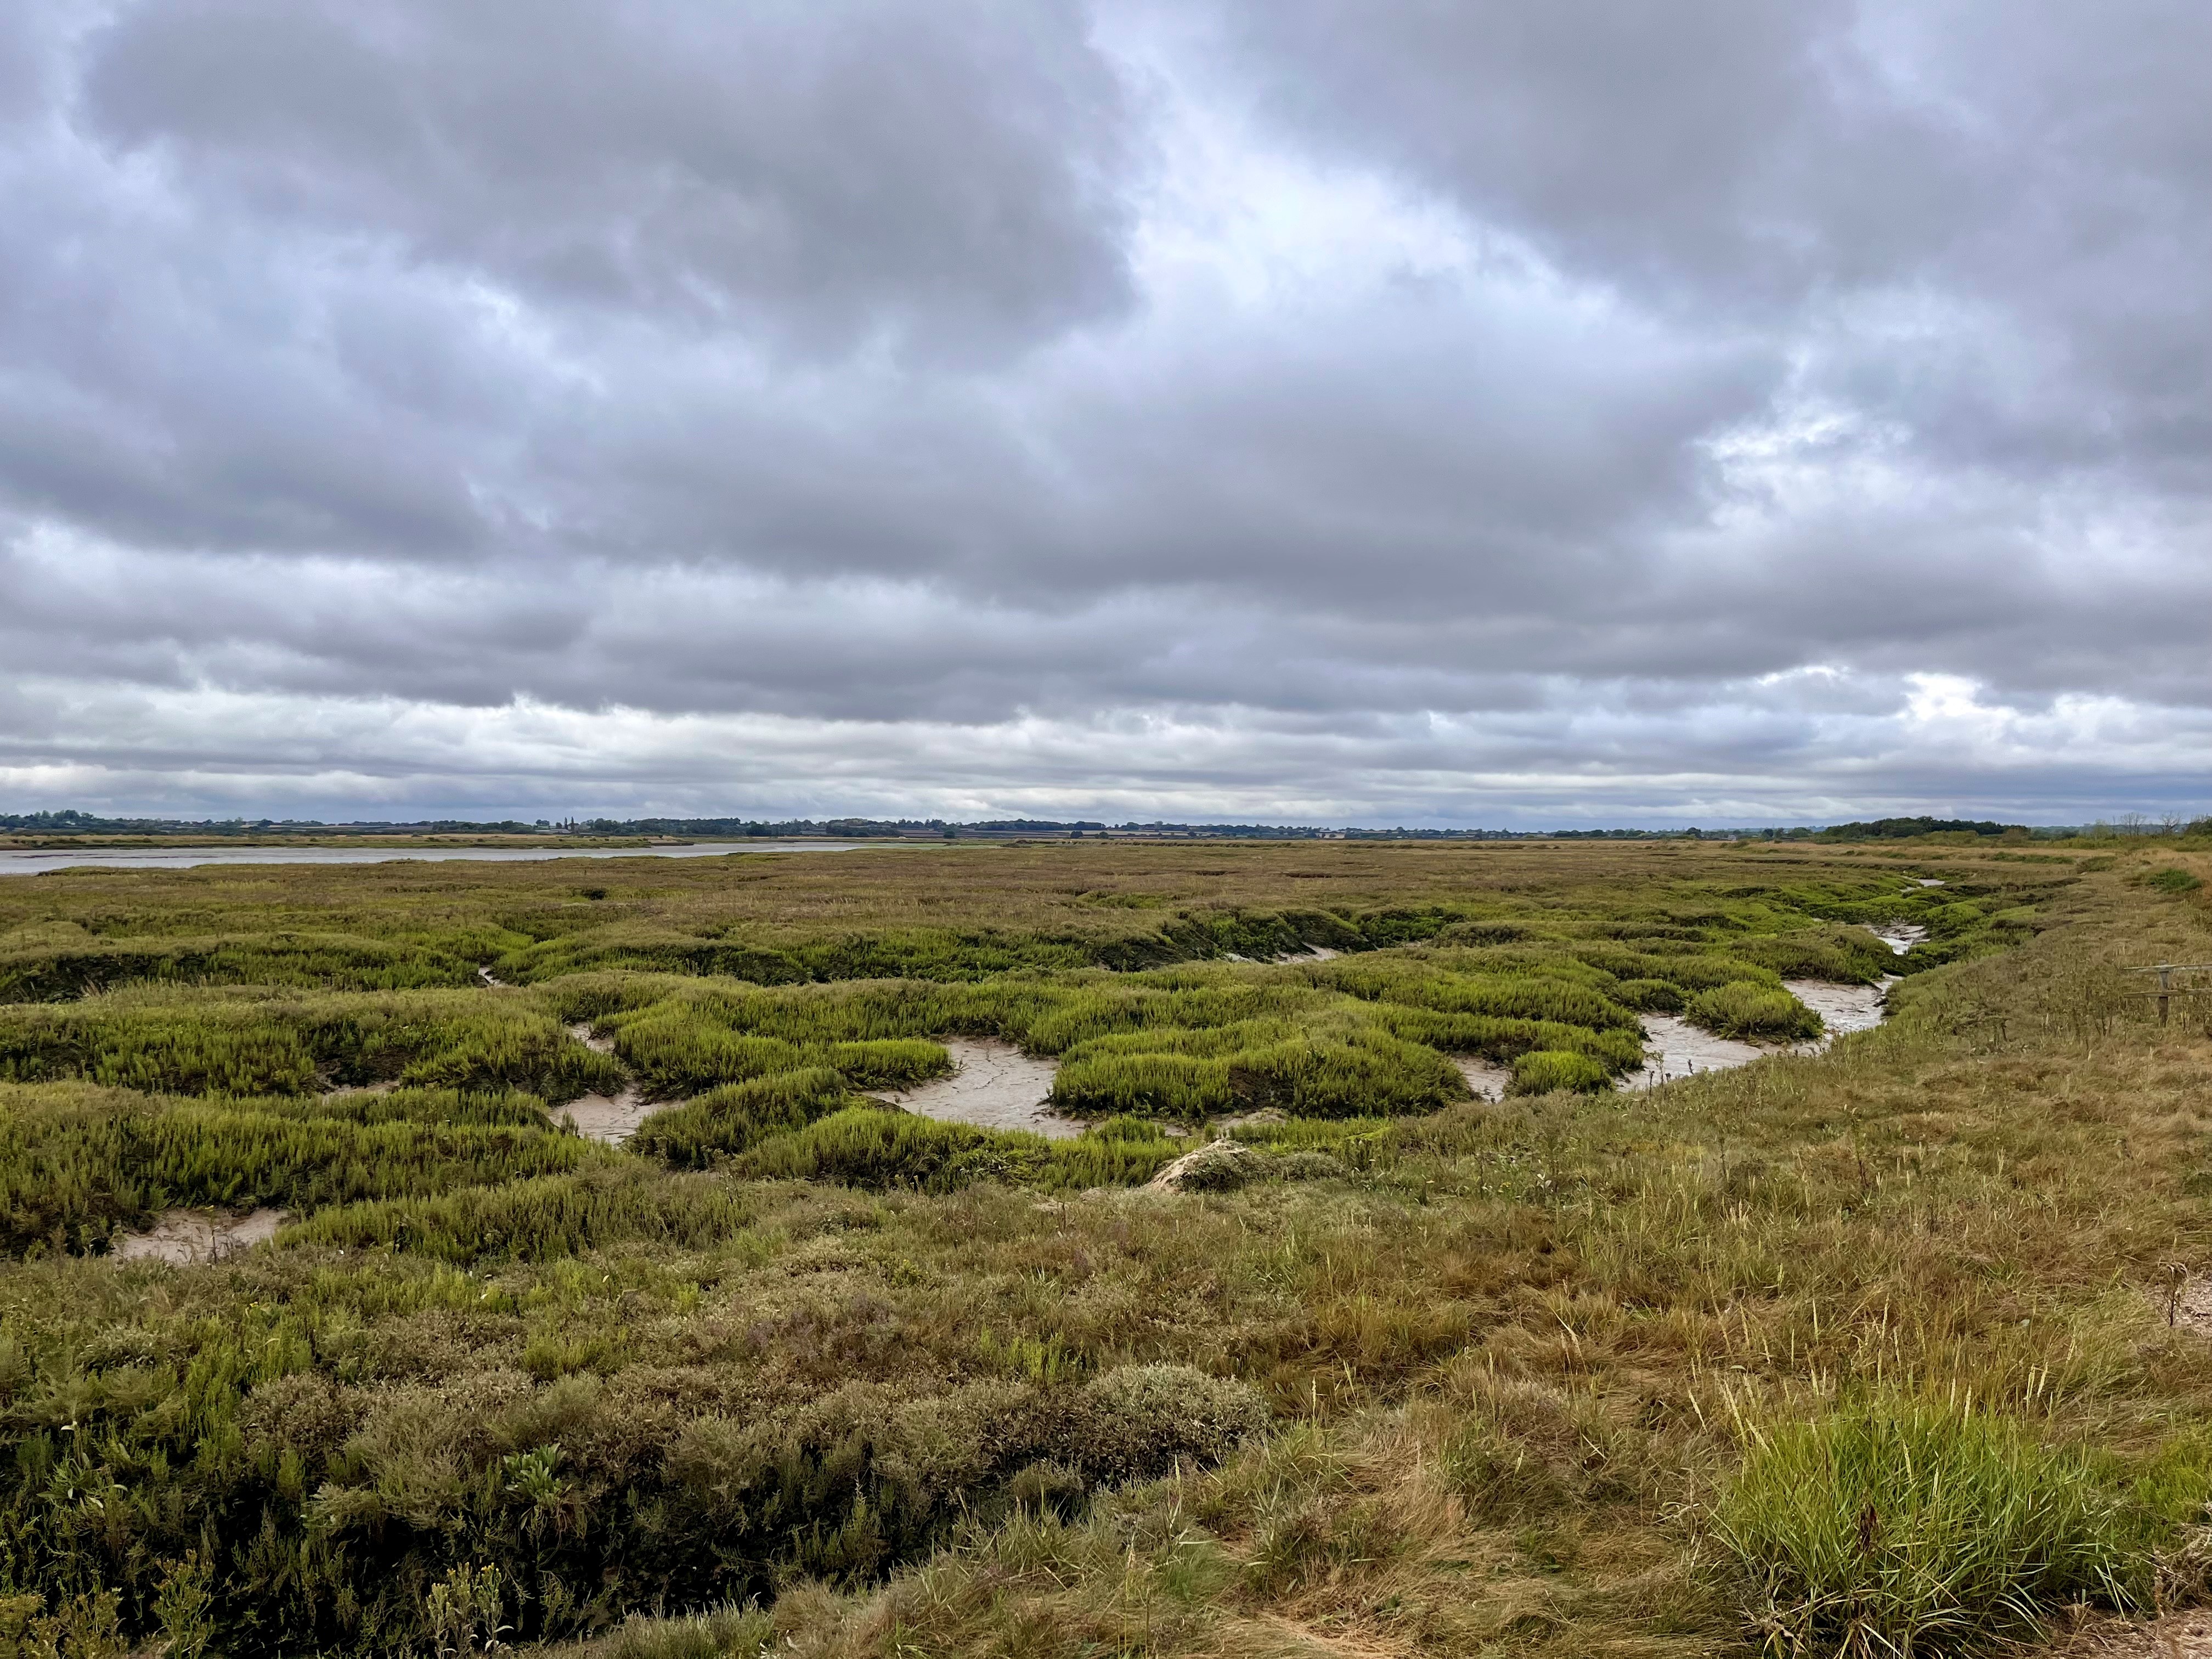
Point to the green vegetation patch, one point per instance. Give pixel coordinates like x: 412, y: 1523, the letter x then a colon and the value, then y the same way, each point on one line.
x: 866, y: 1146
x: 77, y: 1165
x: 240, y: 1043
x: 732, y: 1118
x: 607, y: 1202
x: 1913, y: 1527
x: 1741, y: 1010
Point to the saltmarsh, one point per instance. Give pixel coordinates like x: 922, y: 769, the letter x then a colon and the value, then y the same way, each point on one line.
x: 1428, y: 1374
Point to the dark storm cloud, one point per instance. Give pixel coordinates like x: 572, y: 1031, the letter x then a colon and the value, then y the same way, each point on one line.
x: 1407, y: 409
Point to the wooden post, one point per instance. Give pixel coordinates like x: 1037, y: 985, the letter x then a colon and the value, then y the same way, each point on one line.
x: 2168, y: 990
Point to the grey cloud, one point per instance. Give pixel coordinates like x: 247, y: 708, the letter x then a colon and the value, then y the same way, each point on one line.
x: 1528, y: 403
x: 808, y: 173
x: 1757, y: 151
x: 2037, y: 179
x: 1591, y: 754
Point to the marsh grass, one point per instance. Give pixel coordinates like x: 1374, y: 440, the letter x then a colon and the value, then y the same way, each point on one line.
x: 870, y: 1147
x: 538, y: 1220
x: 1545, y: 1071
x: 734, y: 1117
x: 76, y: 1165
x: 864, y: 1381
x: 250, y: 1042
x: 1924, y: 1527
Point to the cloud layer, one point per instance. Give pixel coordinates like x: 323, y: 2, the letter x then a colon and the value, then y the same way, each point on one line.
x: 1485, y: 414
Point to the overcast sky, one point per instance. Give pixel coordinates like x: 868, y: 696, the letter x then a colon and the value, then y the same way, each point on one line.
x: 1339, y: 410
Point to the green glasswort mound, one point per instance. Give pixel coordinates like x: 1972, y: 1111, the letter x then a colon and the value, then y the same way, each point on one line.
x: 1743, y: 1010
x: 1544, y: 1070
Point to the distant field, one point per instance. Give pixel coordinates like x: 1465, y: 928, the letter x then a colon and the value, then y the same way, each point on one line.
x: 1406, y: 1369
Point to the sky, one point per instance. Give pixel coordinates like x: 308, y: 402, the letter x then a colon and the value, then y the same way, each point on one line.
x: 1341, y: 412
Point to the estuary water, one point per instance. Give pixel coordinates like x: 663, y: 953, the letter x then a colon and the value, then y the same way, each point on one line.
x: 186, y: 857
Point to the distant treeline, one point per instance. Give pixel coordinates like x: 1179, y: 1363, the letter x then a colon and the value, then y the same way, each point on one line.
x: 71, y: 823
x: 1899, y: 828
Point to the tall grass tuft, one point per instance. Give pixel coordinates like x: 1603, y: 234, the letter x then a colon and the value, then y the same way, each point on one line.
x: 1910, y: 1530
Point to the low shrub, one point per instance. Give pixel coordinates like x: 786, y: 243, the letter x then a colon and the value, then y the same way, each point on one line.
x: 1523, y: 1446
x: 1136, y: 1422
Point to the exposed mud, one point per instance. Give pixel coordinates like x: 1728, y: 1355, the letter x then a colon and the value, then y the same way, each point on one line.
x: 2187, y: 1304
x: 1843, y: 1008
x: 383, y: 1087
x: 1675, y: 1048
x: 185, y: 1236
x: 612, y: 1119
x: 1489, y: 1081
x: 1900, y: 936
x: 994, y: 1085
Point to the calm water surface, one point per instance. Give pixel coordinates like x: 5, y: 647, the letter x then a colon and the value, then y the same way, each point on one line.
x: 186, y: 858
